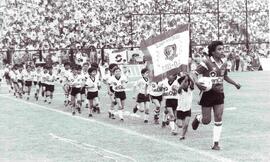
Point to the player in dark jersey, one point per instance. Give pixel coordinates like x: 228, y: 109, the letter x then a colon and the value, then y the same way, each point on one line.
x: 216, y: 69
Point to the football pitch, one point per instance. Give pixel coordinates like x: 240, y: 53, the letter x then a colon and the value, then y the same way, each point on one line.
x: 33, y: 131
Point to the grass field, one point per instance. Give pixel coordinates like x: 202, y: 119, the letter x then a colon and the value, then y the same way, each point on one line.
x: 33, y: 131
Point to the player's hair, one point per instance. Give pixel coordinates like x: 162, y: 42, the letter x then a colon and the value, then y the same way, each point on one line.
x: 86, y: 63
x: 91, y: 69
x: 212, y: 47
x: 116, y: 68
x: 66, y: 63
x: 94, y: 65
x: 144, y: 70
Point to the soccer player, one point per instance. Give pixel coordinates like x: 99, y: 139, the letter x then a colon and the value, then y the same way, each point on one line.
x: 14, y: 80
x: 92, y: 86
x: 213, y: 99
x: 85, y: 76
x: 156, y: 91
x: 65, y: 74
x: 118, y: 83
x: 6, y: 75
x: 37, y: 81
x: 111, y: 68
x: 20, y: 79
x: 76, y: 83
x: 27, y: 77
x: 143, y: 97
x: 50, y: 79
x: 183, y: 111
x: 170, y: 93
x: 43, y: 83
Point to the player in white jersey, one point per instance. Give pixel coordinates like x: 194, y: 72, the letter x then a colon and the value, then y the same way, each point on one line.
x: 37, y: 81
x: 27, y: 77
x: 119, y: 84
x: 43, y: 83
x: 7, y: 77
x: 85, y: 76
x: 170, y: 93
x: 92, y: 86
x: 50, y: 79
x: 20, y: 79
x: 65, y: 74
x: 111, y: 91
x: 76, y: 83
x: 142, y: 98
x: 156, y: 91
x: 183, y: 111
x: 14, y: 80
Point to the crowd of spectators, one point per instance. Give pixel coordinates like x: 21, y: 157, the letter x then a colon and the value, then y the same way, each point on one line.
x: 66, y: 24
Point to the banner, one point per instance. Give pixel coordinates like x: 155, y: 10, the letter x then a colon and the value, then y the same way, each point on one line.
x: 117, y: 56
x: 167, y: 52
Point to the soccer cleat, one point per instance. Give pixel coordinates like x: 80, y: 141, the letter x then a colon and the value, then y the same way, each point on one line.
x: 110, y: 114
x: 145, y: 121
x: 122, y: 120
x: 27, y: 98
x: 135, y: 109
x: 216, y: 146
x: 167, y: 122
x: 182, y: 138
x: 49, y: 102
x: 45, y: 100
x: 195, y: 123
x: 163, y: 124
x: 174, y: 133
x: 79, y: 110
x: 98, y: 110
x: 73, y: 113
x: 94, y: 109
x: 86, y: 106
x: 90, y: 115
x: 113, y: 117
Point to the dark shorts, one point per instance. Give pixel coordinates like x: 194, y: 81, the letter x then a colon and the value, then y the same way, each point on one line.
x: 211, y: 98
x: 92, y: 95
x: 121, y: 95
x: 20, y: 82
x: 75, y: 91
x: 28, y: 83
x: 7, y: 76
x: 49, y: 88
x: 83, y: 90
x: 183, y: 114
x: 143, y: 98
x: 35, y: 82
x: 173, y: 103
x: 43, y: 84
x: 159, y: 98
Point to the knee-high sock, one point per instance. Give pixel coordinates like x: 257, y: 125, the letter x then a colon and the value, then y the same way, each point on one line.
x: 217, y: 131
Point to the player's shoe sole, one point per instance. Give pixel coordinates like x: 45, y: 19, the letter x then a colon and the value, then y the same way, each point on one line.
x: 195, y: 123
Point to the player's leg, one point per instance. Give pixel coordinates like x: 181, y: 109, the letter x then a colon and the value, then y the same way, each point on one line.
x: 218, y: 112
x: 171, y: 118
x: 90, y: 103
x: 146, y: 111
x: 96, y: 104
x: 78, y: 101
x: 204, y: 118
x: 157, y: 104
x: 185, y: 117
x: 120, y: 108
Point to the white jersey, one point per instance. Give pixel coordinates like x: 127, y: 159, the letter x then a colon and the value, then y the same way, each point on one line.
x: 28, y: 76
x: 37, y: 76
x: 92, y: 84
x: 19, y: 75
x: 65, y: 75
x: 155, y: 89
x: 76, y: 81
x: 85, y: 75
x: 50, y: 79
x: 118, y: 85
x: 142, y: 86
x: 170, y: 90
x: 13, y: 76
x: 185, y: 100
x: 43, y: 77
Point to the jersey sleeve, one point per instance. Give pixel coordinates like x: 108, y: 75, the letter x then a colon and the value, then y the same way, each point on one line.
x: 201, y: 68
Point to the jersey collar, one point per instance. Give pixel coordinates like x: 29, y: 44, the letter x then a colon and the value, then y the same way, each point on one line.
x: 214, y: 61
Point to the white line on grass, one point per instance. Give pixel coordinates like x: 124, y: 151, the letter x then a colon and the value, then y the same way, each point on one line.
x: 128, y: 131
x: 91, y: 147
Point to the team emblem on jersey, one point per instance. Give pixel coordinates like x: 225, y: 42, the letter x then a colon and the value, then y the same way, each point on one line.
x: 212, y: 73
x: 170, y: 52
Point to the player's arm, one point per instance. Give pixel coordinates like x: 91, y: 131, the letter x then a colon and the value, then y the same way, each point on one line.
x: 135, y: 87
x: 229, y: 80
